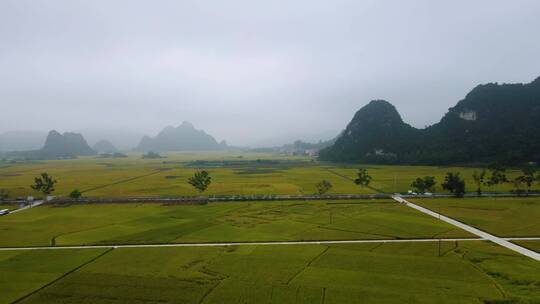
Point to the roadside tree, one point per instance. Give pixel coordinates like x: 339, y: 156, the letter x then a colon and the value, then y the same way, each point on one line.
x: 75, y: 194
x: 498, y: 175
x: 454, y: 184
x: 200, y: 180
x: 363, y: 178
x: 4, y: 194
x: 323, y: 187
x: 44, y: 184
x: 527, y: 178
x: 479, y: 179
x: 424, y: 184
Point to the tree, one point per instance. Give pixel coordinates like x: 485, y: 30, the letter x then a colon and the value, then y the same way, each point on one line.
x: 425, y: 184
x: 526, y: 178
x: 44, y: 184
x: 75, y: 194
x: 429, y: 183
x: 4, y: 194
x: 363, y: 177
x: 454, y: 184
x: 498, y: 175
x: 151, y: 155
x: 479, y: 180
x: 323, y: 187
x: 200, y: 180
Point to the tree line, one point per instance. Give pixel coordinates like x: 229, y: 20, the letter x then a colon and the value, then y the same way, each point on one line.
x: 453, y: 182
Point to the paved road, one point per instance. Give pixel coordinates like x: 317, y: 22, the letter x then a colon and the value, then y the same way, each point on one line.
x: 484, y: 235
x: 262, y: 243
x: 35, y: 204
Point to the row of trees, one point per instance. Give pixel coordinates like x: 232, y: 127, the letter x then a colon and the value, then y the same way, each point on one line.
x: 493, y: 176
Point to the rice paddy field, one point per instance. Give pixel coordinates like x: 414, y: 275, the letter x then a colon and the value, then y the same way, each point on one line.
x: 145, y: 223
x: 504, y: 217
x: 448, y: 271
x: 458, y: 272
x: 232, y: 174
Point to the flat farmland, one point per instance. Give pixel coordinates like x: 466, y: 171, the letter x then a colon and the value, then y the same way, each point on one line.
x: 533, y: 245
x: 391, y: 179
x: 504, y: 217
x: 232, y: 174
x: 134, y: 176
x: 23, y: 272
x: 145, y: 223
x: 458, y: 272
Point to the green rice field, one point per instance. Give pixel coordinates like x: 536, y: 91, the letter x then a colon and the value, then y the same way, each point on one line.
x: 505, y: 217
x: 131, y: 223
x: 458, y: 272
x: 468, y: 271
x: 232, y: 174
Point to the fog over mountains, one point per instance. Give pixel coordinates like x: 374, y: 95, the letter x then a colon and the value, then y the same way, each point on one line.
x: 256, y: 73
x: 493, y: 123
x: 182, y: 138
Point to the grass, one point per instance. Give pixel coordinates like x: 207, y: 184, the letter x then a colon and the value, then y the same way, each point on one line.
x: 23, y: 272
x: 464, y: 272
x: 505, y: 217
x: 219, y: 222
x: 232, y: 174
x: 533, y: 245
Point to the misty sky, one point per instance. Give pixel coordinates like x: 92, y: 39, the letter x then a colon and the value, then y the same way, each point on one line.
x: 252, y: 72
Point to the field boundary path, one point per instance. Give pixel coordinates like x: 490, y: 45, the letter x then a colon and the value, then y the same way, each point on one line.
x: 364, y: 241
x: 482, y: 234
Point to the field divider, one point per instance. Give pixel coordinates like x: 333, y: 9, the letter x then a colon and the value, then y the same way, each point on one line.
x: 62, y: 276
x: 126, y: 180
x: 352, y: 180
x: 326, y: 242
x: 482, y: 234
x: 222, y: 244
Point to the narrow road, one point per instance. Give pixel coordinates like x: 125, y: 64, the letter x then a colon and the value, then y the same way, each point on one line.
x: 484, y: 235
x: 265, y: 243
x: 35, y: 204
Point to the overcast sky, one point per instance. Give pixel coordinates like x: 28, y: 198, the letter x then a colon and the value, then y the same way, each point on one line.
x: 252, y: 72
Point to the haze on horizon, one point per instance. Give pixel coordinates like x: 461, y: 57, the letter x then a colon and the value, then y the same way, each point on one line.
x: 252, y: 72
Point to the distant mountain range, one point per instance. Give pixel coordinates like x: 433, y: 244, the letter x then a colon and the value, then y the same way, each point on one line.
x: 493, y: 123
x: 182, y: 138
x: 68, y: 145
x: 58, y: 146
x: 21, y: 140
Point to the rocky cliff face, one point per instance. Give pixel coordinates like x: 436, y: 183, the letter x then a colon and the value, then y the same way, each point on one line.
x: 492, y: 123
x: 67, y: 144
